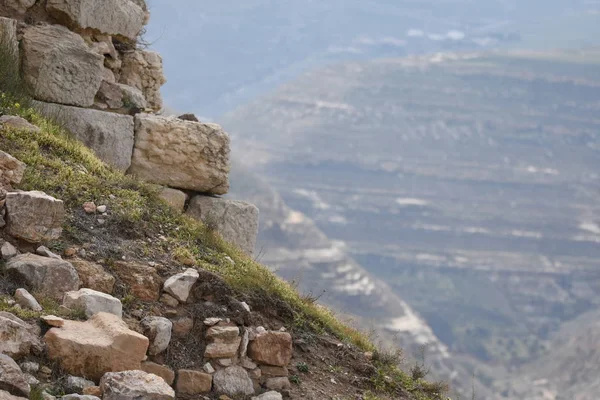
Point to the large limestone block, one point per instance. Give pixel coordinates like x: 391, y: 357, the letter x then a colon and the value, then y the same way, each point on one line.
x: 34, y: 216
x: 182, y: 154
x: 143, y: 70
x: 233, y: 381
x: 113, y: 17
x: 11, y: 170
x: 236, y: 221
x: 192, y: 383
x: 135, y: 385
x: 17, y: 338
x: 8, y: 35
x: 271, y: 348
x: 109, y: 135
x: 48, y: 276
x: 59, y: 66
x: 92, y: 348
x: 93, y: 302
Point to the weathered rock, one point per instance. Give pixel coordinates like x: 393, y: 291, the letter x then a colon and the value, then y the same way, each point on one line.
x: 225, y: 362
x: 18, y: 123
x: 179, y: 285
x: 26, y: 300
x: 233, y: 381
x: 7, y: 396
x: 159, y: 370
x: 11, y: 170
x: 272, y: 395
x: 222, y: 350
x: 117, y: 96
x: 168, y: 300
x: 30, y: 367
x: 76, y: 384
x: 113, y: 17
x: 109, y: 135
x: 244, y: 344
x: 15, y: 8
x: 93, y: 391
x: 208, y: 368
x: 34, y: 216
x: 93, y: 276
x: 189, y: 117
x: 158, y: 331
x: 8, y: 251
x: 144, y: 70
x: 48, y: 276
x: 45, y: 252
x: 223, y: 333
x: 173, y: 197
x: 193, y: 382
x: 133, y: 98
x: 103, y: 343
x: 272, y: 348
x: 12, y: 379
x: 143, y: 281
x: 181, y: 154
x: 135, y: 385
x: 273, y: 371
x: 279, y: 384
x: 53, y: 320
x: 236, y: 221
x: 93, y: 302
x: 59, y: 66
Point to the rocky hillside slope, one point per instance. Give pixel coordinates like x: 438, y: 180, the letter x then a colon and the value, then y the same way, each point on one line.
x: 123, y: 274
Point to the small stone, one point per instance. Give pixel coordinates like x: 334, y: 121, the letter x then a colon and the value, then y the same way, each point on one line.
x: 30, y: 367
x: 45, y: 252
x: 255, y: 373
x: 53, y: 320
x: 31, y: 380
x: 93, y: 276
x: 70, y: 252
x: 182, y: 326
x: 101, y: 209
x: 92, y: 391
x: 248, y: 364
x: 208, y: 368
x: 222, y: 350
x: 192, y: 383
x: 278, y: 384
x: 76, y: 384
x: 223, y: 333
x: 225, y: 362
x: 26, y: 300
x: 101, y: 221
x: 12, y: 378
x: 8, y: 251
x: 158, y: 330
x: 245, y: 305
x: 244, y: 344
x: 160, y: 370
x: 89, y: 207
x: 272, y: 395
x: 212, y: 321
x: 229, y: 260
x: 168, y: 300
x: 93, y: 302
x: 179, y: 285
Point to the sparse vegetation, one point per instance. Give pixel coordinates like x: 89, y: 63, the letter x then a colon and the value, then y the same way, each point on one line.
x: 302, y: 367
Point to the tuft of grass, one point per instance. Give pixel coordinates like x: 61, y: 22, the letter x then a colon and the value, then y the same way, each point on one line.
x: 302, y: 367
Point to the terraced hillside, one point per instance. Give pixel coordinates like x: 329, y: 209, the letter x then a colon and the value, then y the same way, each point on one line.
x: 468, y: 183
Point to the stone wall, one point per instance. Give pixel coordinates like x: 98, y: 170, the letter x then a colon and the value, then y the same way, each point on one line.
x: 85, y: 67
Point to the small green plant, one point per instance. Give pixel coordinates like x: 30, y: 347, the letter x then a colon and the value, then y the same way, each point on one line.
x: 295, y: 379
x: 302, y: 367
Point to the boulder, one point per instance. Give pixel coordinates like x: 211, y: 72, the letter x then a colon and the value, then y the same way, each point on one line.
x: 182, y: 326
x: 272, y: 395
x: 93, y: 302
x: 34, y: 216
x: 143, y: 281
x: 101, y: 344
x: 8, y: 36
x: 109, y: 135
x: 233, y: 381
x: 18, y: 123
x: 181, y: 154
x: 179, y: 285
x: 143, y: 70
x: 12, y: 378
x: 48, y: 276
x: 190, y: 383
x: 173, y: 197
x: 59, y: 66
x: 53, y: 320
x: 158, y: 330
x: 11, y: 170
x: 271, y: 348
x: 236, y: 221
x: 159, y: 370
x: 93, y: 276
x: 134, y: 385
x: 113, y: 17
x: 45, y: 252
x: 26, y: 300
